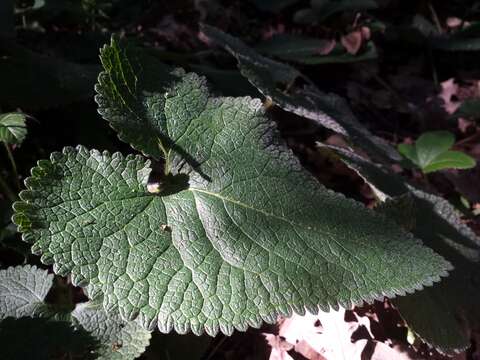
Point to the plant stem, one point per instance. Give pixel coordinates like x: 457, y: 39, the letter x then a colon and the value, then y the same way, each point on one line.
x: 14, y: 165
x: 435, y: 18
x: 7, y: 191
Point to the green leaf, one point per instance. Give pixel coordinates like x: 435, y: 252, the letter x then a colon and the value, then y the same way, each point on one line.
x: 450, y: 160
x: 431, y: 152
x: 22, y: 291
x: 238, y: 232
x: 440, y: 314
x: 120, y: 340
x: 27, y: 320
x: 281, y: 83
x: 432, y: 144
x: 26, y: 332
x: 12, y: 128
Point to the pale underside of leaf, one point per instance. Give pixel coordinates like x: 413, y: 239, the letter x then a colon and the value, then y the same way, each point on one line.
x: 22, y: 291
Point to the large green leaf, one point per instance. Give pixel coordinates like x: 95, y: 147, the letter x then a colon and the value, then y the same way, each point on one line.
x: 293, y: 92
x: 120, y: 340
x: 236, y: 234
x: 440, y: 314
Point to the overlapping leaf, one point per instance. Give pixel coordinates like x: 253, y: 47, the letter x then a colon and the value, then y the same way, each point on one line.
x: 282, y: 83
x: 236, y: 234
x: 29, y: 328
x: 440, y: 314
x: 22, y: 291
x: 120, y: 340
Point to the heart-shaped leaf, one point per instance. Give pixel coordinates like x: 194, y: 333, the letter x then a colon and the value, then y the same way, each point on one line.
x: 236, y: 233
x: 431, y: 152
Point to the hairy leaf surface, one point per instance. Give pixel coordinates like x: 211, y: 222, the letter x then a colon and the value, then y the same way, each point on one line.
x: 120, y: 340
x: 237, y: 233
x: 29, y: 328
x: 22, y: 291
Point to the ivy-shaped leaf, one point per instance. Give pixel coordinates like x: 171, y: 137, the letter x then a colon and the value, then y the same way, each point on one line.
x: 295, y: 93
x: 440, y: 314
x: 12, y: 128
x: 31, y: 329
x: 237, y: 233
x: 431, y: 152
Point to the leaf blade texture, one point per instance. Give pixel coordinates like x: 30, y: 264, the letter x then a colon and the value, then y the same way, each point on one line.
x: 120, y: 340
x: 220, y: 252
x: 435, y: 221
x: 22, y: 291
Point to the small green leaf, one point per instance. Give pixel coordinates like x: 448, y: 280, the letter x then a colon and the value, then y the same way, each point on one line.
x: 22, y: 291
x: 450, y: 160
x: 37, y: 330
x: 239, y: 232
x: 12, y: 128
x: 409, y: 151
x: 120, y: 340
x: 431, y: 152
x: 432, y: 144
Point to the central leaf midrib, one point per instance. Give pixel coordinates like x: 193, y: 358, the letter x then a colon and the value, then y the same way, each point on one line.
x: 247, y: 206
